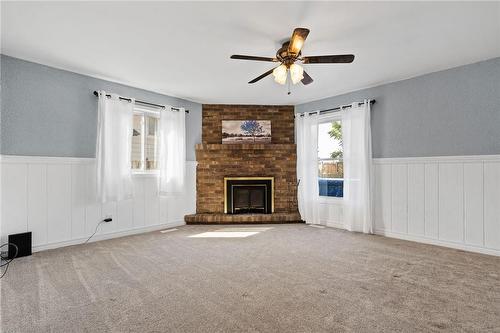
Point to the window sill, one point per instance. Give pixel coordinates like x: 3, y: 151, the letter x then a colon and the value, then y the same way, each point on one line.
x: 145, y: 173
x: 331, y: 200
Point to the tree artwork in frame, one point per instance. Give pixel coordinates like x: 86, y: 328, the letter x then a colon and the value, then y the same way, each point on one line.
x: 246, y: 131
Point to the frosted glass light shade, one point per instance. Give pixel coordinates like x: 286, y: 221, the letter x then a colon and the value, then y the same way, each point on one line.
x: 296, y: 73
x: 280, y: 74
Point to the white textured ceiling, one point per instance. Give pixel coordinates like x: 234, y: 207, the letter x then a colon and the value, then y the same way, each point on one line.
x: 183, y: 49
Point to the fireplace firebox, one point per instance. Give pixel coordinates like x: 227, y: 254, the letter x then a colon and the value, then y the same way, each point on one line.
x: 248, y: 195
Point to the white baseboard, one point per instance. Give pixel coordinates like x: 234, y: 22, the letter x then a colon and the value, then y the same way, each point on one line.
x: 111, y: 235
x: 337, y: 225
x: 430, y: 241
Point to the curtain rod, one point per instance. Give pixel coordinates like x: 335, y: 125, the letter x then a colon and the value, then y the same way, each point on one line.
x: 140, y: 102
x: 335, y: 109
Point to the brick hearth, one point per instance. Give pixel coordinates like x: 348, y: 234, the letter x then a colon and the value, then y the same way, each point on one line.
x: 242, y: 218
x: 217, y: 160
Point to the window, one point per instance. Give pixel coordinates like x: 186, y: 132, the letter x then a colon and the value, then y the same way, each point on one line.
x: 330, y: 158
x: 144, y: 157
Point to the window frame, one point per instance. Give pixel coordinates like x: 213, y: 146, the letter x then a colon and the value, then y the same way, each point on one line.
x: 143, y: 112
x: 328, y: 118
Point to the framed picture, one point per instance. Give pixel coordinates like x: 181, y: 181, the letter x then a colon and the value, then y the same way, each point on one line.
x: 246, y: 131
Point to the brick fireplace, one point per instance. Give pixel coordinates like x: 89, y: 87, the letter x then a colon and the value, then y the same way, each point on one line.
x: 219, y: 163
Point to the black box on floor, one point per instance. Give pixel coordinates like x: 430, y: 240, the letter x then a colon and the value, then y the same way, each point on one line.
x: 23, y: 243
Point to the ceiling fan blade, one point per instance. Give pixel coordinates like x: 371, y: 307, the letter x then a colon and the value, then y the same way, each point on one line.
x: 260, y: 77
x: 307, y: 79
x: 329, y: 59
x: 245, y: 57
x: 297, y: 41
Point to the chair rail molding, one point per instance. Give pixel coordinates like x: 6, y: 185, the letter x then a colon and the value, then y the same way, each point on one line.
x: 457, y: 159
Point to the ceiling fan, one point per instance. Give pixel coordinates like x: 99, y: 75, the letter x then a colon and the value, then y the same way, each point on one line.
x: 288, y: 54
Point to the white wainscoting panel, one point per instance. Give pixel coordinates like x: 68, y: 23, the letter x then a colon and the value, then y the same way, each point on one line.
x: 14, y: 198
x: 449, y: 201
x: 58, y: 202
x: 474, y: 203
x: 399, y: 198
x: 492, y: 204
x: 55, y: 199
x: 331, y: 212
x: 383, y: 189
x: 78, y: 200
x: 37, y: 203
x: 431, y: 198
x: 416, y: 199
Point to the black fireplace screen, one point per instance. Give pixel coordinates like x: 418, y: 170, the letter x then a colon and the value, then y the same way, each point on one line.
x: 245, y: 195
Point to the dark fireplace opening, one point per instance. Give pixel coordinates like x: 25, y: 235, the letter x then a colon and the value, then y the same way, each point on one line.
x: 244, y: 195
x: 249, y: 199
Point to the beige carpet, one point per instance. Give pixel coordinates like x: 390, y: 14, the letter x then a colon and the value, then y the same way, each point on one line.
x: 289, y: 278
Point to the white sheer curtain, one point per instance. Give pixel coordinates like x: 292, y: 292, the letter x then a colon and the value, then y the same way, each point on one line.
x: 114, y: 132
x: 306, y: 127
x: 172, y: 151
x: 356, y: 136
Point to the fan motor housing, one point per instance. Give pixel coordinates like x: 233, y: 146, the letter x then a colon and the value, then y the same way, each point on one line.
x: 284, y: 56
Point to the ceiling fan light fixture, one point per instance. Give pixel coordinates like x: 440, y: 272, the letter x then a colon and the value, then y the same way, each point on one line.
x: 291, y: 52
x: 280, y: 74
x: 296, y: 73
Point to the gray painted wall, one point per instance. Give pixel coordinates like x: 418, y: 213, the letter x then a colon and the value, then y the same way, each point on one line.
x: 452, y: 112
x: 51, y: 112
